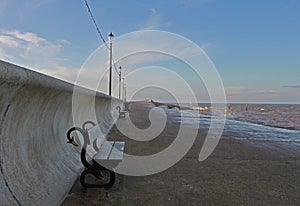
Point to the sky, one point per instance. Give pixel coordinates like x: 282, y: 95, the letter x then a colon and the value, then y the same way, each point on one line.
x: 253, y: 44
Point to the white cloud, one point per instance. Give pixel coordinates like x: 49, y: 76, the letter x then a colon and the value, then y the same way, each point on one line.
x: 61, y: 72
x: 8, y: 41
x: 29, y: 49
x: 92, y: 78
x: 27, y: 36
x: 4, y: 55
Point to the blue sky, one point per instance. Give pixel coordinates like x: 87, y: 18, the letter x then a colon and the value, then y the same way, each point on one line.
x: 254, y: 44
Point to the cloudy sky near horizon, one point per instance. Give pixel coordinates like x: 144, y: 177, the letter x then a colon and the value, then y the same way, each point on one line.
x: 254, y: 44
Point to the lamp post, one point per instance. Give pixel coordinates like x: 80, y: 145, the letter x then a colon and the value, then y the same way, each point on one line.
x: 110, y: 38
x: 124, y: 94
x: 123, y: 89
x: 120, y: 75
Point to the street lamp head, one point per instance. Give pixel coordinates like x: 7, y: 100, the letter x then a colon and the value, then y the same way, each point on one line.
x: 111, y: 36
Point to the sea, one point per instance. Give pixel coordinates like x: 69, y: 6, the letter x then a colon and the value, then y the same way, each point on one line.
x: 265, y: 122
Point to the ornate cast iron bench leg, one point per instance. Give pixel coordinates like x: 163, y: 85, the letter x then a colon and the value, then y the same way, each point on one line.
x: 100, y: 179
x: 103, y: 176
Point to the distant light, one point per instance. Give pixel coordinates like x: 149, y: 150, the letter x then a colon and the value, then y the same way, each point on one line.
x: 111, y: 36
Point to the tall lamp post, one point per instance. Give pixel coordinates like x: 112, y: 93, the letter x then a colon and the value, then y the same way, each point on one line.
x: 110, y: 37
x: 120, y: 76
x: 123, y: 89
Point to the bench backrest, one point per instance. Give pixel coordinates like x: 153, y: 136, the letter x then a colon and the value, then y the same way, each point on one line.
x: 96, y: 139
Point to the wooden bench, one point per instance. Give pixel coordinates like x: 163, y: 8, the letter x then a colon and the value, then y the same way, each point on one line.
x: 95, y: 152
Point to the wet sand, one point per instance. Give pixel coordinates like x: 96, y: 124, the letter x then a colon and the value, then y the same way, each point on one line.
x: 239, y: 172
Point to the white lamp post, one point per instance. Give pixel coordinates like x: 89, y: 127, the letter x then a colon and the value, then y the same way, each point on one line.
x: 110, y: 38
x: 120, y: 76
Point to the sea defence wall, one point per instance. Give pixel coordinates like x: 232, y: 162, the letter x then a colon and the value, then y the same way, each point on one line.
x: 37, y: 166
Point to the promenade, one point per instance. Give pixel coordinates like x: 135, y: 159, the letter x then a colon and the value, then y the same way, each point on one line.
x: 237, y: 173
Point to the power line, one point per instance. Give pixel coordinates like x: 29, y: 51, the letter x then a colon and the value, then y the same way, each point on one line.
x: 99, y: 32
x: 97, y: 28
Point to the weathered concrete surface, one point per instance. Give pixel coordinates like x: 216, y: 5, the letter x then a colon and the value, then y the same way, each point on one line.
x: 37, y: 167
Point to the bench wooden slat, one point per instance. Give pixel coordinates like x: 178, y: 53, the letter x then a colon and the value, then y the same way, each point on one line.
x: 104, y: 151
x: 117, y: 151
x: 95, y: 133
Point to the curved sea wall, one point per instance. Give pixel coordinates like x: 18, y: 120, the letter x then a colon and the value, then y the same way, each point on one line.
x: 37, y: 166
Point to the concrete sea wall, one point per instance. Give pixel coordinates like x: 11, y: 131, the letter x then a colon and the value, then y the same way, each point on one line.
x: 37, y: 166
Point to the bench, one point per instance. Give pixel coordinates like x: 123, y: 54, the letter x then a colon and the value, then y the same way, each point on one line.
x: 95, y: 152
x: 121, y: 113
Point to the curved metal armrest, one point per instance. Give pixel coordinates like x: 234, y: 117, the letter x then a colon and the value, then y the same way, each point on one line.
x: 71, y: 138
x: 86, y: 123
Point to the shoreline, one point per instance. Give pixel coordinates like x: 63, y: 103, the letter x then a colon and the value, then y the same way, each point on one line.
x: 237, y: 172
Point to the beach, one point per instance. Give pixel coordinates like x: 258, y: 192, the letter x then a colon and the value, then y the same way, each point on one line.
x: 240, y: 171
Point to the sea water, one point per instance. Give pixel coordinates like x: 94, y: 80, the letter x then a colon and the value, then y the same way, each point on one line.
x: 267, y: 122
